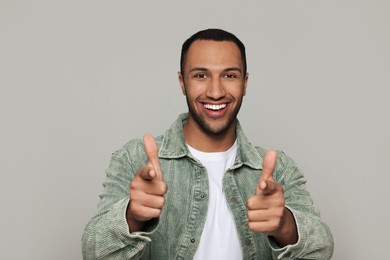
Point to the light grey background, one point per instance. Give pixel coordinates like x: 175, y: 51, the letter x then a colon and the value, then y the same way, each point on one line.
x: 80, y: 78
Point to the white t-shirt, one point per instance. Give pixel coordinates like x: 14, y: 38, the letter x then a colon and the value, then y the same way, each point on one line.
x: 219, y: 238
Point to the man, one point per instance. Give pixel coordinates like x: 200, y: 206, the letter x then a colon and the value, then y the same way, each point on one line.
x: 201, y: 190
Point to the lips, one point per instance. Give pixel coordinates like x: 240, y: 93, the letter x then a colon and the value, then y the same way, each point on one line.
x: 215, y: 110
x: 214, y: 107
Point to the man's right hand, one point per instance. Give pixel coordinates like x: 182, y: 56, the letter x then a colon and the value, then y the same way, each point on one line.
x: 147, y: 189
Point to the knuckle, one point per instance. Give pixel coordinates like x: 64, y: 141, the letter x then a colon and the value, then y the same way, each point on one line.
x: 165, y: 188
x: 156, y: 213
x: 136, y: 210
x: 251, y: 226
x: 250, y: 215
x: 133, y: 184
x: 280, y: 202
x: 133, y: 195
x: 250, y: 203
x: 161, y: 202
x: 274, y: 224
x: 162, y: 188
x: 136, y: 196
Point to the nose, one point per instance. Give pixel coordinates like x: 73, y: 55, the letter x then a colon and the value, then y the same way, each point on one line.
x: 215, y: 90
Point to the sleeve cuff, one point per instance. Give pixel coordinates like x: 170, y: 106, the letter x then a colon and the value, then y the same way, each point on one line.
x: 121, y: 229
x: 289, y: 251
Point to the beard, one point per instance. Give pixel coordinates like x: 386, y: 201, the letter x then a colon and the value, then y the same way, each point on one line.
x: 209, y: 128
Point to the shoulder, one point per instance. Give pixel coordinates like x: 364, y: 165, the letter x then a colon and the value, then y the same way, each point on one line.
x: 135, y: 148
x: 131, y: 154
x: 285, y: 167
x: 282, y: 158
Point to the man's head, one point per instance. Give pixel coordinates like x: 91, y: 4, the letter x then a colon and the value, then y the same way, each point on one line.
x: 212, y: 35
x: 213, y: 78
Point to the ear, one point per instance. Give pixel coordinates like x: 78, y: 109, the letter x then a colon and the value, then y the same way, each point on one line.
x: 245, y: 82
x: 181, y: 81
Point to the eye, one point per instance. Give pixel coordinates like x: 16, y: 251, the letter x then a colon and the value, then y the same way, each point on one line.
x: 200, y: 76
x: 230, y: 76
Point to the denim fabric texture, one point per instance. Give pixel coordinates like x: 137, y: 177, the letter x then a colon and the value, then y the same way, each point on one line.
x: 176, y: 233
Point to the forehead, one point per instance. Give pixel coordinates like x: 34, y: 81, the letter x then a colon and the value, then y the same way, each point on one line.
x: 207, y: 53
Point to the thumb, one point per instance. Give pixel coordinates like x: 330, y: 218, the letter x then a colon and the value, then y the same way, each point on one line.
x: 266, y: 182
x: 269, y: 162
x: 151, y: 151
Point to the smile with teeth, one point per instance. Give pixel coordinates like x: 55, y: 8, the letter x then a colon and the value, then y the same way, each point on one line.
x: 215, y: 107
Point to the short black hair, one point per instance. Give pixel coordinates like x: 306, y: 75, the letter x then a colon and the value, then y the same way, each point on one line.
x: 212, y: 35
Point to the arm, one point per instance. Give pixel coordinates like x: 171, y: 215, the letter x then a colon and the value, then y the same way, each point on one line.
x: 107, y: 235
x: 116, y: 232
x: 314, y: 236
x: 266, y: 208
x: 282, y: 209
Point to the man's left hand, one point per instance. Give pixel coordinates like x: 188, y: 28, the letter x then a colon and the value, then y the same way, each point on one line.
x: 266, y: 209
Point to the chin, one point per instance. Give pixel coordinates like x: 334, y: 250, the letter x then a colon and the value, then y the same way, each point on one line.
x: 216, y: 126
x: 219, y: 129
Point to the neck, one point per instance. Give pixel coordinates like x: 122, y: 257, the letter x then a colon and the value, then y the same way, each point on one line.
x: 207, y: 142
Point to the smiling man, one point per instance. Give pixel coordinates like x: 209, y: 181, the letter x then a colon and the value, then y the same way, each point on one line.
x: 213, y: 79
x: 201, y: 190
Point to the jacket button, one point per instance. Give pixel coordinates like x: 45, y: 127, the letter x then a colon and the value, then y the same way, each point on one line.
x: 192, y: 240
x: 247, y: 241
x: 202, y: 196
x: 233, y: 200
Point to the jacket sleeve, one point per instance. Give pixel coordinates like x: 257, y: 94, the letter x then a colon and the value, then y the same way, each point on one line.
x: 107, y: 234
x: 315, y: 239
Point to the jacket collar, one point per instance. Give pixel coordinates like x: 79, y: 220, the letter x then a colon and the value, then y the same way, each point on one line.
x: 173, y: 145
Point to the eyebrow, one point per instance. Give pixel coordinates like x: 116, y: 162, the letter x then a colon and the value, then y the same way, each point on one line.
x: 225, y: 70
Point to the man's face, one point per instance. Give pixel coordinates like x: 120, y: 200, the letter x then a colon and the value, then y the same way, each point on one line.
x: 214, y: 85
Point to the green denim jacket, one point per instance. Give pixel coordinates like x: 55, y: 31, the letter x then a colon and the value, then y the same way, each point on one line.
x: 176, y: 234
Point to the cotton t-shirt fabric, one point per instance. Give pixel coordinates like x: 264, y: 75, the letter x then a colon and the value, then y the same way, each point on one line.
x: 219, y: 238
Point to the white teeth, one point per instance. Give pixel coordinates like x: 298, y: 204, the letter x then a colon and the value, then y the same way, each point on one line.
x: 215, y: 107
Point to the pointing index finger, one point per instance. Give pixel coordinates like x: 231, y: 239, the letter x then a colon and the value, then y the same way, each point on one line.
x: 151, y: 151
